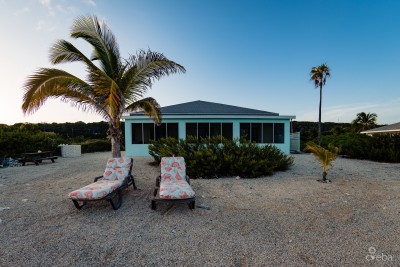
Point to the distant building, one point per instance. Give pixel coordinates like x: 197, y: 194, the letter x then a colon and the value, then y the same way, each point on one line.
x: 388, y: 129
x: 205, y: 119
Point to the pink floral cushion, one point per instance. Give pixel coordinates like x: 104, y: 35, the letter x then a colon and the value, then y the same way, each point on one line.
x: 176, y: 190
x: 173, y: 184
x: 96, y: 190
x: 113, y: 177
x: 173, y: 168
x: 117, y: 168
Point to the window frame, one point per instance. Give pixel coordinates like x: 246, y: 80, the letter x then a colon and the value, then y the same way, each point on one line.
x: 262, y: 131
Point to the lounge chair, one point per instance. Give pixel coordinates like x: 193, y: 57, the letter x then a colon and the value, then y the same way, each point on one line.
x: 173, y: 185
x: 117, y: 177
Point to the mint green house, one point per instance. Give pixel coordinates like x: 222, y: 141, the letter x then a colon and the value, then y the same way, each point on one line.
x: 205, y: 119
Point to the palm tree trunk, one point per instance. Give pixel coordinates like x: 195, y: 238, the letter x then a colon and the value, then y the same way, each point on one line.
x: 319, y: 117
x: 115, y: 148
x: 114, y: 133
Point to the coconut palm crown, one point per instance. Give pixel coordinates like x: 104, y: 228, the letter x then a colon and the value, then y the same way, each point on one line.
x: 318, y: 76
x: 114, y: 86
x: 365, y: 121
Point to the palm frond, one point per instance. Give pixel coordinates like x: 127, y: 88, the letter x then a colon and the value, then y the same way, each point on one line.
x: 149, y: 106
x: 324, y: 156
x: 141, y: 70
x: 103, y: 41
x: 54, y: 83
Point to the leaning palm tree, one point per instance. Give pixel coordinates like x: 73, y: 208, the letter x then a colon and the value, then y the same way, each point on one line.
x: 365, y: 121
x: 325, y: 157
x: 319, y: 75
x: 114, y: 86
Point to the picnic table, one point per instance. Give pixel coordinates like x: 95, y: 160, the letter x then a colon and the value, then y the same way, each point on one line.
x: 37, y: 157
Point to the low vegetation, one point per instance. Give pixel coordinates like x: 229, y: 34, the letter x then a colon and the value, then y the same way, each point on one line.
x: 384, y: 147
x: 220, y: 157
x: 26, y: 137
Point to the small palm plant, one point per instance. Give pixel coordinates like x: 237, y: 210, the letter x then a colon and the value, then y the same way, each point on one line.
x: 325, y: 156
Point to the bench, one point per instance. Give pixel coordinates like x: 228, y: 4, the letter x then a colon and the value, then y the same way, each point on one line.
x: 37, y: 157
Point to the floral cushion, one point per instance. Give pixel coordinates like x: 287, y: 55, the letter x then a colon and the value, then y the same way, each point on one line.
x: 117, y: 169
x: 96, y: 190
x: 173, y: 184
x: 176, y: 190
x: 173, y: 168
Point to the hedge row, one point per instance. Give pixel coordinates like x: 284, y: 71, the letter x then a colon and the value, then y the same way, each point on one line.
x: 212, y: 158
x: 384, y: 148
x: 26, y: 138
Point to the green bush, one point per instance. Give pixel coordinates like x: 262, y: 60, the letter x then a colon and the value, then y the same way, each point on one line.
x: 95, y: 145
x: 384, y: 148
x: 26, y: 138
x: 211, y: 157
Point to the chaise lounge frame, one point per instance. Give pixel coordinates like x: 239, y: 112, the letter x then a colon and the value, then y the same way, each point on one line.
x: 129, y: 180
x: 156, y: 196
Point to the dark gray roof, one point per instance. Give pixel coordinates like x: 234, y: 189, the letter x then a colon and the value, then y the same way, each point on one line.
x: 208, y: 108
x: 392, y: 128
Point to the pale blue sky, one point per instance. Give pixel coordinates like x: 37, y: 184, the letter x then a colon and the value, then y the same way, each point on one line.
x: 254, y: 54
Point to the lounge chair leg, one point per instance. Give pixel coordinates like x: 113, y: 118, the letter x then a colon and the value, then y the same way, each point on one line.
x: 118, y: 204
x: 76, y: 203
x: 133, y: 183
x: 155, y: 192
x: 153, y: 205
x: 192, y: 205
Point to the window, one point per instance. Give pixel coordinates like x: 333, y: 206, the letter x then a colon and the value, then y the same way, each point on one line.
x: 148, y: 132
x: 143, y: 133
x: 161, y: 131
x: 191, y: 129
x: 227, y: 130
x: 215, y: 129
x: 206, y: 130
x: 203, y: 130
x: 269, y: 133
x: 256, y: 132
x: 137, y: 137
x: 172, y: 130
x: 279, y: 133
x: 245, y: 131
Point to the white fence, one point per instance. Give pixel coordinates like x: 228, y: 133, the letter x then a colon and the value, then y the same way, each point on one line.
x: 295, y: 142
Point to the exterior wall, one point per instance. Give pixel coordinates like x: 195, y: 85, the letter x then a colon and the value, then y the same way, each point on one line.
x: 142, y: 149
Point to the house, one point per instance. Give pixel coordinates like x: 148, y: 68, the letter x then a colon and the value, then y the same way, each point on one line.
x: 388, y: 129
x: 205, y: 119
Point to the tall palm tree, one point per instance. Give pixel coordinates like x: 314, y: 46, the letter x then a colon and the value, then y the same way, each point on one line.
x: 319, y: 75
x: 113, y: 86
x: 365, y: 121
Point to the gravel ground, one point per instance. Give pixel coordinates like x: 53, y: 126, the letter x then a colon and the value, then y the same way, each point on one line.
x: 288, y: 219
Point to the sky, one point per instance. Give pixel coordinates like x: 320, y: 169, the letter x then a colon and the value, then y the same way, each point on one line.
x: 253, y: 54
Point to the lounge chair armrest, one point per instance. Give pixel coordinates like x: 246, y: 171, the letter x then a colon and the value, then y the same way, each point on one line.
x: 97, y: 178
x: 188, y: 179
x: 158, y: 180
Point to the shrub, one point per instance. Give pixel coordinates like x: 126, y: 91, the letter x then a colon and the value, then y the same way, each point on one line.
x: 217, y: 156
x: 378, y: 147
x: 25, y: 138
x: 95, y: 145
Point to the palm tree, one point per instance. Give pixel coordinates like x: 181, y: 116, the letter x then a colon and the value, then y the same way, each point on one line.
x: 365, y: 121
x: 114, y: 86
x: 319, y: 75
x: 325, y: 157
